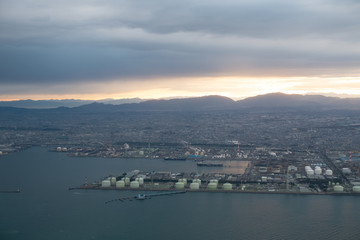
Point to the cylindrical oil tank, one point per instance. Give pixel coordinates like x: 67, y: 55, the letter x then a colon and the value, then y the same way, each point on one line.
x: 356, y: 189
x: 106, y: 183
x: 134, y: 184
x: 197, y: 181
x: 127, y: 181
x: 310, y: 172
x: 328, y: 172
x: 227, y: 186
x: 113, y: 181
x: 179, y: 185
x: 212, y: 186
x: 120, y: 184
x: 318, y: 170
x: 141, y: 181
x: 308, y: 168
x: 338, y: 188
x: 194, y: 186
x: 184, y: 180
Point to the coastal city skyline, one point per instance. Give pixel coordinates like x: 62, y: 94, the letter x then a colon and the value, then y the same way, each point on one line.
x: 161, y: 49
x: 157, y: 119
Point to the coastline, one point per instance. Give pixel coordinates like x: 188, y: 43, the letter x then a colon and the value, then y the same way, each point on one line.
x: 155, y: 189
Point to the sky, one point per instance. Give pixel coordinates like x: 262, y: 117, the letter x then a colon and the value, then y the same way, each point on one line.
x: 88, y: 49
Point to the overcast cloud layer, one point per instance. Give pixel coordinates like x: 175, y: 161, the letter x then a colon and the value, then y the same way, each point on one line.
x: 69, y: 42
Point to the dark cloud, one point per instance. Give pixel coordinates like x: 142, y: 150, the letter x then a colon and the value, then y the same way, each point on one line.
x: 69, y: 41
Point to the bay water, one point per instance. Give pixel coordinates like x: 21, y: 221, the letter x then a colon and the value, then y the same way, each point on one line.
x: 46, y: 209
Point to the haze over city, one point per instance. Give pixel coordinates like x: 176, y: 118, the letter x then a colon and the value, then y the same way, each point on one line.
x: 158, y: 49
x: 158, y: 119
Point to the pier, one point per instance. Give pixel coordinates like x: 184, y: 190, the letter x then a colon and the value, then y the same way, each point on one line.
x: 10, y: 191
x: 143, y: 196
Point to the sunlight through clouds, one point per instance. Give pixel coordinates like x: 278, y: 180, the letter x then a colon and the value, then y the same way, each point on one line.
x: 178, y: 48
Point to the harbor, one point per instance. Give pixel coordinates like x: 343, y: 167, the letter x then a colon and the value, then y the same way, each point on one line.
x: 223, y: 183
x: 82, y: 211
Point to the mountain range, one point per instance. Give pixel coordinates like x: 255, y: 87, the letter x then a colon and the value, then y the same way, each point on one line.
x: 273, y: 101
x: 54, y: 103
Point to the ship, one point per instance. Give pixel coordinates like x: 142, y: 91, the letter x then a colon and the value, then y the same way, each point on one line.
x: 175, y: 158
x: 202, y: 164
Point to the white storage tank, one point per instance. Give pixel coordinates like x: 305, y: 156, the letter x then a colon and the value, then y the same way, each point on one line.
x: 310, y: 172
x: 197, y: 181
x: 272, y: 154
x: 227, y: 186
x: 338, y: 188
x: 134, y: 184
x: 214, y: 181
x: 194, y: 186
x: 318, y: 170
x: 127, y: 181
x: 212, y: 186
x: 308, y: 168
x: 105, y: 183
x: 141, y: 181
x: 120, y: 184
x: 113, y: 181
x: 179, y: 185
x: 328, y: 172
x: 184, y: 180
x: 356, y: 189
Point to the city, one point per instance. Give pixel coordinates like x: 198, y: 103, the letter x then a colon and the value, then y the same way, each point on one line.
x: 278, y: 150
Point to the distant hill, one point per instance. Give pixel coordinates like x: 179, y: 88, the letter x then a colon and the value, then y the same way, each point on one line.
x: 53, y: 103
x: 303, y: 102
x: 273, y: 101
x: 183, y: 104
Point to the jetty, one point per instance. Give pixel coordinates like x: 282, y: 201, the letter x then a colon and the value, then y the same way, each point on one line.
x: 10, y: 191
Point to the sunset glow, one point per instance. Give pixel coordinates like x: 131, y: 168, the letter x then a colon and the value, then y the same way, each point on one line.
x: 121, y: 49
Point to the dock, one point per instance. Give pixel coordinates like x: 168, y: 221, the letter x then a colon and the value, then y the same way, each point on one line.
x: 162, y: 192
x: 143, y: 196
x: 10, y: 191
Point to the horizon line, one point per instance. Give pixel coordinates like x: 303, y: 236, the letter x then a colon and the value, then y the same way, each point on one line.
x: 328, y: 94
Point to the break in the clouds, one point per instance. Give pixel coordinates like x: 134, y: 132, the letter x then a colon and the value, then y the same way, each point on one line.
x: 62, y: 43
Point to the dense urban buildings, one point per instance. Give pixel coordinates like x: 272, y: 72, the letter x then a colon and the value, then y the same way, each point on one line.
x: 281, y: 147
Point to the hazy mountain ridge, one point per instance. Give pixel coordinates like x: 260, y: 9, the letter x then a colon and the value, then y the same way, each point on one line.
x: 54, y: 103
x: 208, y: 103
x: 296, y: 101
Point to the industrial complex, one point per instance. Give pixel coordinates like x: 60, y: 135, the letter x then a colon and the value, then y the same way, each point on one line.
x: 253, y: 171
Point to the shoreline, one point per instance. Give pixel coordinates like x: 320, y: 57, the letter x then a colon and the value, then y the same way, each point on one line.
x: 214, y: 191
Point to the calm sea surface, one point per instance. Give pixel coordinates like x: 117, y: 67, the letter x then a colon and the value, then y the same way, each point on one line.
x: 45, y: 209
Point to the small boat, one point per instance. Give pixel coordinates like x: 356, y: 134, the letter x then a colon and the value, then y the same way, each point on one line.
x: 175, y: 158
x: 202, y: 164
x: 140, y: 196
